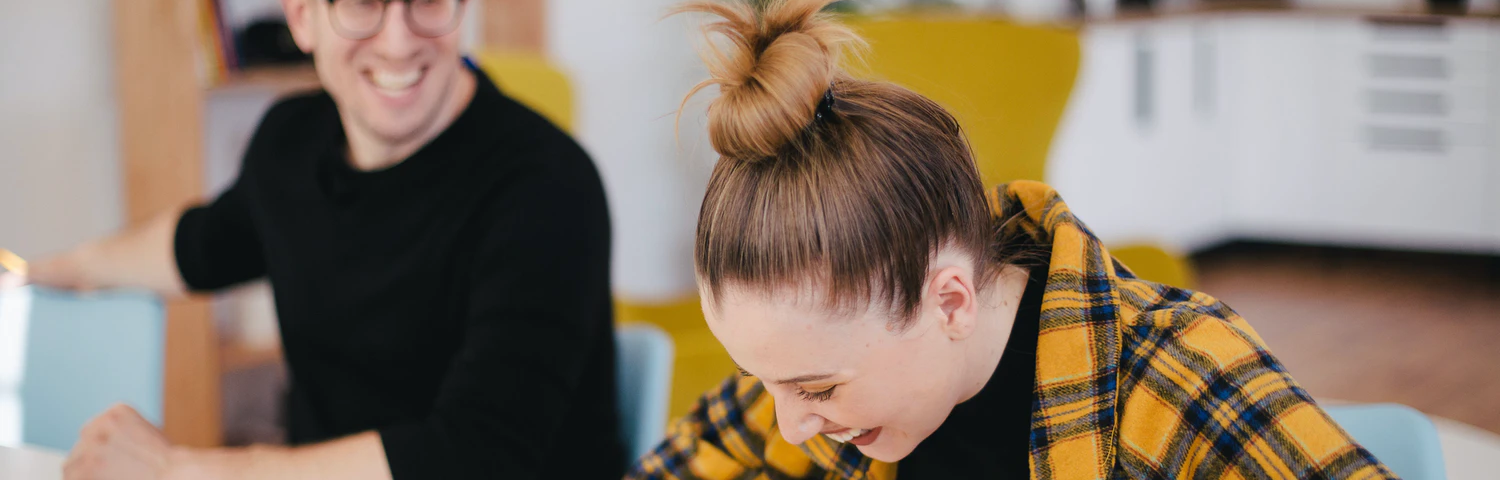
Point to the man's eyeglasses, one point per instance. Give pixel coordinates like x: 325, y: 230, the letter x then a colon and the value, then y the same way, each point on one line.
x: 362, y: 19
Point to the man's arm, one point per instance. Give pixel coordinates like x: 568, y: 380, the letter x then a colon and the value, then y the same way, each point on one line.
x: 202, y: 248
x: 139, y: 257
x: 120, y: 444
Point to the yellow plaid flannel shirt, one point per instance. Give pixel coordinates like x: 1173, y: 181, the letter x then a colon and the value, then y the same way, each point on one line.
x: 1134, y: 380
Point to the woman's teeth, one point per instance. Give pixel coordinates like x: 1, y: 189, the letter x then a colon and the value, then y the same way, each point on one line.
x: 395, y: 80
x: 846, y: 435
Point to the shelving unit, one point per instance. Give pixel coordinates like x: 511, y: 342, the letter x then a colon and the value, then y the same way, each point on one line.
x: 281, y: 78
x: 235, y: 356
x: 161, y: 129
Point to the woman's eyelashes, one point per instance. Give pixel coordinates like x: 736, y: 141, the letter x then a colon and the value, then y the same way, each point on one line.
x: 818, y: 396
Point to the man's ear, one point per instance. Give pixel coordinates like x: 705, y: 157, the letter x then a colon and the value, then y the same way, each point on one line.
x: 300, y: 15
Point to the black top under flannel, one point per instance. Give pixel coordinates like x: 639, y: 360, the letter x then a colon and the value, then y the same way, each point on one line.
x: 988, y: 435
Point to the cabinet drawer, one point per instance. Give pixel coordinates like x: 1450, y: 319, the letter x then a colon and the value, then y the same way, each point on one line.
x: 1390, y: 136
x: 1431, y: 200
x: 1417, y: 34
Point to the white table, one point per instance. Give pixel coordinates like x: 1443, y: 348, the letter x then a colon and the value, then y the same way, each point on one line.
x: 30, y: 464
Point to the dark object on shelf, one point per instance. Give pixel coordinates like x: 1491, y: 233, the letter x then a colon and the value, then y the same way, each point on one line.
x: 268, y: 42
x: 1448, y: 7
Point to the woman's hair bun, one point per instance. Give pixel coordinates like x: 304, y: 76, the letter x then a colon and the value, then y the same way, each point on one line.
x: 775, y: 67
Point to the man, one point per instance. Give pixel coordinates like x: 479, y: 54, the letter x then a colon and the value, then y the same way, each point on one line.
x: 440, y: 261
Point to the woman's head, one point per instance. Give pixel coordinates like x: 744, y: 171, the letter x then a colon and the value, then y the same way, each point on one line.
x: 844, y: 231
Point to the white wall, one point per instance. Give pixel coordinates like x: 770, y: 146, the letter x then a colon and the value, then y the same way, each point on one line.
x: 630, y: 70
x: 59, y: 168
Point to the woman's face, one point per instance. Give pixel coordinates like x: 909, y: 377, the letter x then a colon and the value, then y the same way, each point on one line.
x: 842, y: 374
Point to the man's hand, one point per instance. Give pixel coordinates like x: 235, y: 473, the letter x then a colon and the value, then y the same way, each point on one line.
x: 64, y: 272
x: 12, y: 270
x: 10, y: 280
x: 120, y: 444
x: 141, y: 257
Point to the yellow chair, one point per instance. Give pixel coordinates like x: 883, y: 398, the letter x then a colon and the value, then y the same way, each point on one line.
x: 531, y: 80
x: 1007, y: 84
x: 1151, y: 262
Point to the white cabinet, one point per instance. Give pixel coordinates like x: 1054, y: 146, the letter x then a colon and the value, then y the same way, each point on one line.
x: 1100, y: 145
x: 1275, y: 121
x: 1412, y: 144
x: 1183, y: 161
x: 1318, y: 129
x: 1134, y: 156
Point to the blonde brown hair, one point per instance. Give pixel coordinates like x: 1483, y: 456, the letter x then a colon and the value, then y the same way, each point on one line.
x: 823, y: 176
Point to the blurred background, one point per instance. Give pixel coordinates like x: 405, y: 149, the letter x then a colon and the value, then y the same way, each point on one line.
x: 1329, y: 168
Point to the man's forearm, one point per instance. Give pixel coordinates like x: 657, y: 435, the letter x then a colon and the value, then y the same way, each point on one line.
x: 357, y: 457
x: 140, y: 257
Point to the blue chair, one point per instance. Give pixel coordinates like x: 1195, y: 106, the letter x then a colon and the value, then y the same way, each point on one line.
x: 645, y: 384
x: 1401, y: 437
x: 83, y: 353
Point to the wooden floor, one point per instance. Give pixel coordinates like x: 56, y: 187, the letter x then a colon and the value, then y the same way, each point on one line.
x: 1417, y: 329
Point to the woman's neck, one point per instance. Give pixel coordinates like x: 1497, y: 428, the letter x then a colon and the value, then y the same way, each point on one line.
x: 998, y: 308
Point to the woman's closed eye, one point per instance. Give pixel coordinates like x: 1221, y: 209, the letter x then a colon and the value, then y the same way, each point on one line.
x: 818, y: 396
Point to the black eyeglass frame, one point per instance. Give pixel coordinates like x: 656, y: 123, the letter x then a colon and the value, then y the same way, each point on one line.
x: 411, y: 22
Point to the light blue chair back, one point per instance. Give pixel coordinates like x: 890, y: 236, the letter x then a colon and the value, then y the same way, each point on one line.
x: 1402, y: 438
x: 645, y: 384
x: 83, y: 353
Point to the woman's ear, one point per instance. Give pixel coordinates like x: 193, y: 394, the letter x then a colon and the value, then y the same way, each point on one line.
x: 950, y: 295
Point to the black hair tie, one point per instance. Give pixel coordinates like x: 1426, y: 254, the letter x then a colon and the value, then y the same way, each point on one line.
x: 825, y: 107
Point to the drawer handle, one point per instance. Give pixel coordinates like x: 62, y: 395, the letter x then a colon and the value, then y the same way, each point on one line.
x: 1406, y: 139
x: 1409, y: 28
x: 1393, y: 102
x: 1392, y: 66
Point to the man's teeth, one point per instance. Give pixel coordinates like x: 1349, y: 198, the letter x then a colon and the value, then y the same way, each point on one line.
x: 394, y: 80
x: 846, y: 435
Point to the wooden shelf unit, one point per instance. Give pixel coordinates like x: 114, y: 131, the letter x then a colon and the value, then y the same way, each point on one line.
x: 281, y: 78
x: 236, y: 356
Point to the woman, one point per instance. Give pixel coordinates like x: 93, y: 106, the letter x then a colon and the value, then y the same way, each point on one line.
x: 884, y: 308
